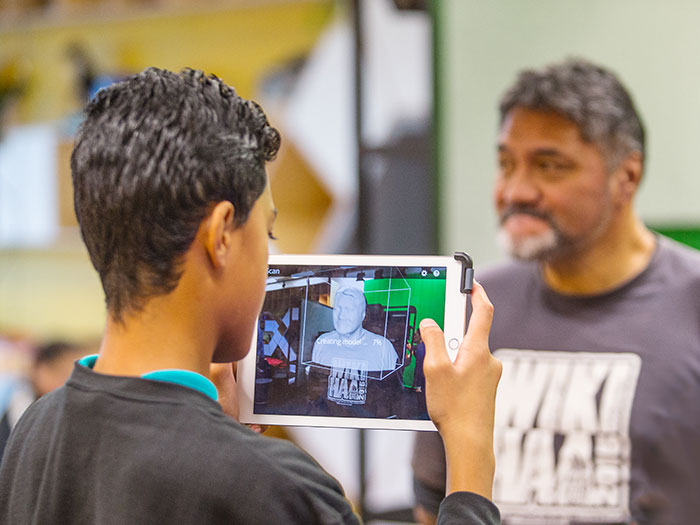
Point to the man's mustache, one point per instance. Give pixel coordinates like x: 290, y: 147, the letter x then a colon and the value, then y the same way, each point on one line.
x: 519, y: 209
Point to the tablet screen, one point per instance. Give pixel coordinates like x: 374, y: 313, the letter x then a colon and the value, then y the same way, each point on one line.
x: 343, y: 341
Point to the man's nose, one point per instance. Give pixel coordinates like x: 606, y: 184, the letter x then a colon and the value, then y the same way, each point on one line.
x: 519, y: 187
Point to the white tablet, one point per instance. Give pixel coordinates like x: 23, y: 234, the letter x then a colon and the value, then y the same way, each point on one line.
x: 338, y: 345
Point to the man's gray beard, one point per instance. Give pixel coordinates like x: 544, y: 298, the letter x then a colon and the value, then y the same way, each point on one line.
x: 533, y: 247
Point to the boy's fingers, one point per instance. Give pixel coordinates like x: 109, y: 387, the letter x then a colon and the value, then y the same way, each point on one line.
x: 434, y: 340
x: 223, y: 378
x: 258, y: 429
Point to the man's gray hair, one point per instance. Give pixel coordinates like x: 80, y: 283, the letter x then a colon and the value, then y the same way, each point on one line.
x: 590, y: 96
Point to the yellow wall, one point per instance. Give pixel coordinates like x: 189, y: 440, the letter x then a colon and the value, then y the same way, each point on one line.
x: 55, y: 292
x: 50, y: 294
x: 236, y: 44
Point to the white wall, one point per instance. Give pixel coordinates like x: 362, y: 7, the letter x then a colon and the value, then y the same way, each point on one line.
x: 654, y: 46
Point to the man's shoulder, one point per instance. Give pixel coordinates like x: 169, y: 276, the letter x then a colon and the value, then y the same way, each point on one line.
x: 507, y: 276
x: 678, y: 258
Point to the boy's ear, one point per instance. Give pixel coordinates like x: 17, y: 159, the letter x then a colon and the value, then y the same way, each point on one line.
x: 219, y: 233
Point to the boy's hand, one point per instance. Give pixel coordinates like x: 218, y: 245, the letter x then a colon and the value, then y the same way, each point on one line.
x: 224, y: 377
x: 461, y: 398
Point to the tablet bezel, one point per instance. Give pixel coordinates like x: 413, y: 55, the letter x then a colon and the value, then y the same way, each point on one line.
x: 454, y: 328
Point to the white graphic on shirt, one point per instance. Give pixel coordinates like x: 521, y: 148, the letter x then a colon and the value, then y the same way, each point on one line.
x: 347, y: 382
x: 562, y: 436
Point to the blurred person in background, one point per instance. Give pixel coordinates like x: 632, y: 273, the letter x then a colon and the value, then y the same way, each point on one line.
x: 30, y: 373
x: 53, y: 364
x: 597, y: 320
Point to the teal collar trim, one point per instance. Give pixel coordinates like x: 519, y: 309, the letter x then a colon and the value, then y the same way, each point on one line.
x: 185, y: 378
x: 174, y: 375
x: 88, y: 361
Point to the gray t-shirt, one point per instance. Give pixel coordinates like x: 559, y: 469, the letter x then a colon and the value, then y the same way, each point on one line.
x: 597, y: 413
x: 371, y: 351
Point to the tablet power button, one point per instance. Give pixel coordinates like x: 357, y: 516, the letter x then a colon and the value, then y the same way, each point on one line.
x: 454, y: 344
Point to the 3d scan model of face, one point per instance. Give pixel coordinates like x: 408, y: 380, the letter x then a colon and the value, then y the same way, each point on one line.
x: 350, y: 341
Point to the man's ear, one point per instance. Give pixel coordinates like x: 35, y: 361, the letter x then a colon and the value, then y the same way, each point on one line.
x: 628, y: 176
x: 219, y: 233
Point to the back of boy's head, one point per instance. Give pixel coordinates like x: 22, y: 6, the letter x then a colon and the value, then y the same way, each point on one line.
x: 153, y: 156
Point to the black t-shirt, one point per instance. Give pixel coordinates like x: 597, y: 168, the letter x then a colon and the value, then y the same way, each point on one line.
x: 107, y: 449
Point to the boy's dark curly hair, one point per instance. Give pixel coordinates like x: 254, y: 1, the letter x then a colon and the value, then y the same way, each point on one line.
x: 155, y: 152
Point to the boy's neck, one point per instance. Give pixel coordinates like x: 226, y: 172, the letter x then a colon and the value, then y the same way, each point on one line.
x: 156, y: 338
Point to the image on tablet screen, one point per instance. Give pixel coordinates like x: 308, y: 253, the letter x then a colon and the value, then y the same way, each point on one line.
x: 344, y: 341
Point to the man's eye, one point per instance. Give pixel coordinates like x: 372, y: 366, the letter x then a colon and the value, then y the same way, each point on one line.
x: 505, y: 165
x: 552, y: 167
x: 548, y: 165
x: 271, y: 236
